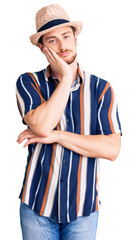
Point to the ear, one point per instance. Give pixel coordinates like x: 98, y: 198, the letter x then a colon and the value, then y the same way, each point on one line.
x: 41, y: 47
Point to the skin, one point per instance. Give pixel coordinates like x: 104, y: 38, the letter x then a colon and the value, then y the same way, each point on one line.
x: 59, y: 47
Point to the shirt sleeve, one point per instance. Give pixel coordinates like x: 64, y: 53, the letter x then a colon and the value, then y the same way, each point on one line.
x: 28, y: 94
x: 108, y: 117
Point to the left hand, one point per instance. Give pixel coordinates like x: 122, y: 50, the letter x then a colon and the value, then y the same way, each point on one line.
x: 33, y: 138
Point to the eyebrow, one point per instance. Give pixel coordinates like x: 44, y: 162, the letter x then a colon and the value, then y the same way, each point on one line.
x: 55, y: 36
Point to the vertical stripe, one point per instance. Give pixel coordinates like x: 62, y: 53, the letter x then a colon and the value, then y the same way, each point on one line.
x: 80, y: 160
x: 49, y: 178
x: 39, y: 183
x: 37, y: 87
x: 87, y: 119
x: 98, y: 181
x: 59, y: 192
x: 94, y: 185
x: 38, y: 93
x: 99, y: 118
x: 20, y: 102
x: 114, y: 116
x: 97, y: 83
x: 54, y: 181
x: 70, y: 166
x: 110, y: 111
x: 48, y: 181
x: 36, y: 78
x: 104, y: 91
x: 30, y: 173
x: 30, y: 97
x: 63, y: 128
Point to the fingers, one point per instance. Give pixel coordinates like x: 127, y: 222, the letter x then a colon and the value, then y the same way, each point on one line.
x: 25, y: 135
x: 49, y: 55
x: 31, y: 141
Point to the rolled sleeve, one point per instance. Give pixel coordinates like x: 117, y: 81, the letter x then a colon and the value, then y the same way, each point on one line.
x: 108, y: 117
x: 27, y: 94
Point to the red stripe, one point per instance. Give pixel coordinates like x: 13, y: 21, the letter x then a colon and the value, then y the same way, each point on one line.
x: 80, y: 160
x: 49, y: 177
x: 37, y: 87
x: 104, y: 91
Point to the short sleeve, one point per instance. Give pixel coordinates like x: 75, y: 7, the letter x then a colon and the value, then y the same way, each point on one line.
x: 108, y: 117
x: 28, y: 94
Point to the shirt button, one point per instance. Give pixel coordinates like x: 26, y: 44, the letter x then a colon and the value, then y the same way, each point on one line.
x: 64, y: 160
x: 67, y: 120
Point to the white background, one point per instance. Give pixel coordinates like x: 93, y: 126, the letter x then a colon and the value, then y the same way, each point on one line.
x: 108, y: 48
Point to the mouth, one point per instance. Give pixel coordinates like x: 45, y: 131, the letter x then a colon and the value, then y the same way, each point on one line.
x: 63, y: 54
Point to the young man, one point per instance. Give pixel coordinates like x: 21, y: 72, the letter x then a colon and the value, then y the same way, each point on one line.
x: 72, y: 120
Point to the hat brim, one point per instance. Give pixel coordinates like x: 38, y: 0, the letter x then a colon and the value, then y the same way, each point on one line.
x: 35, y: 37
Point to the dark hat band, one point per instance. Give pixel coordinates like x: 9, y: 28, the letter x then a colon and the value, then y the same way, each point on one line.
x: 52, y: 24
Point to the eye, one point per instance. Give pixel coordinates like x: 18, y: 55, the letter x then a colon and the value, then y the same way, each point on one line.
x: 67, y: 36
x: 51, y: 41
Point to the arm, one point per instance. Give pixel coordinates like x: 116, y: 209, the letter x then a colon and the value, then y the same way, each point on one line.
x: 95, y: 146
x: 45, y: 117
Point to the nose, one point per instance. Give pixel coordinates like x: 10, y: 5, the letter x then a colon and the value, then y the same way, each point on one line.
x: 61, y: 46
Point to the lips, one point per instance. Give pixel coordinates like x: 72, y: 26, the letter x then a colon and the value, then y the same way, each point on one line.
x: 64, y: 53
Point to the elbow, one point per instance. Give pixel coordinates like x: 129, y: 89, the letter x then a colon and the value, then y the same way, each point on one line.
x: 38, y: 126
x: 114, y: 153
x: 40, y: 130
x: 43, y: 133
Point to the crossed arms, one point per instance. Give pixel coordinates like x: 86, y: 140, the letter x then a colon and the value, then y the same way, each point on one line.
x: 41, y: 121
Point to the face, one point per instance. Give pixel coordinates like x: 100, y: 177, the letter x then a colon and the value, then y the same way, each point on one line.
x: 63, y: 42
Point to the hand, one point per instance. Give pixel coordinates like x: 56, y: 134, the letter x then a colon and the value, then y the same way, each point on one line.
x: 57, y: 63
x: 33, y: 138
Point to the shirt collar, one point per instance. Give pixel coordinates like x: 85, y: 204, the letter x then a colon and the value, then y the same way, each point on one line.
x: 79, y: 79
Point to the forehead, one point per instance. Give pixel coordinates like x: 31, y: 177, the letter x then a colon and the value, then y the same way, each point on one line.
x: 58, y: 31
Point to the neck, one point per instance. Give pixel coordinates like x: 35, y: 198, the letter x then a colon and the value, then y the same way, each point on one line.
x: 73, y: 67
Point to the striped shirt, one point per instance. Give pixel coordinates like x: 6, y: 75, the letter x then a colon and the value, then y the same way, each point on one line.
x: 60, y: 183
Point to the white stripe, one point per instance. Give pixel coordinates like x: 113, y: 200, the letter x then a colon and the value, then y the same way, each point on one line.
x: 68, y: 186
x: 32, y: 170
x: 21, y: 102
x: 54, y: 181
x: 99, y: 119
x: 114, y: 116
x: 42, y: 160
x: 97, y: 83
x: 87, y: 119
x: 31, y: 100
x: 36, y: 77
x: 56, y: 172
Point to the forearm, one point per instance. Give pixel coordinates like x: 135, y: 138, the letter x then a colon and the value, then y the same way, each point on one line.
x: 44, y: 118
x: 95, y: 146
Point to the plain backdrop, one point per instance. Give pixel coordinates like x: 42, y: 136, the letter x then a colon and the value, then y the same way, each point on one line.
x: 108, y: 48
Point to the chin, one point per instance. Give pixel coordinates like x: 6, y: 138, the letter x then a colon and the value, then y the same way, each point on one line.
x: 71, y: 59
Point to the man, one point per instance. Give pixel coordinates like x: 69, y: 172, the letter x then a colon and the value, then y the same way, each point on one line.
x: 72, y: 120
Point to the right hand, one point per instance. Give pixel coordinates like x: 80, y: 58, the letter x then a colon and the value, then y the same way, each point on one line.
x: 57, y: 63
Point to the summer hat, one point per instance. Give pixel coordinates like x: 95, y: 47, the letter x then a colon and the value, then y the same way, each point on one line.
x: 52, y: 17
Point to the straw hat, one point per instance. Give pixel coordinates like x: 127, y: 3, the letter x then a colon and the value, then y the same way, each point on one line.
x: 52, y: 17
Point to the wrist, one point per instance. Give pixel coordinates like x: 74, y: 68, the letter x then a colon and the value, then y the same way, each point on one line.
x: 67, y: 78
x: 58, y: 136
